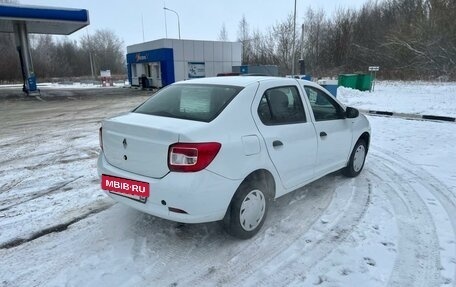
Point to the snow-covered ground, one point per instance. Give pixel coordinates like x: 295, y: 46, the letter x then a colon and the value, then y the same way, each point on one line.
x: 394, y: 225
x: 69, y: 85
x: 425, y: 98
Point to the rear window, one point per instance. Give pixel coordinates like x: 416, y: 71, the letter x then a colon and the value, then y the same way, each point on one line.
x: 196, y: 102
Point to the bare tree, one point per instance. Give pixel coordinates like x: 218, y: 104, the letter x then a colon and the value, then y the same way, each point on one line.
x: 315, y: 28
x: 263, y: 48
x: 107, y: 50
x: 244, y: 38
x: 223, y: 34
x: 10, y: 67
x: 283, y: 34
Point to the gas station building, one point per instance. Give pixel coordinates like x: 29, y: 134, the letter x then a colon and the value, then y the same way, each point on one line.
x: 165, y: 61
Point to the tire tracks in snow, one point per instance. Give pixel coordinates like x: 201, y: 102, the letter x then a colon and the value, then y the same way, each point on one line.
x: 291, y: 257
x: 422, y: 204
x: 39, y: 194
x: 98, y: 207
x: 224, y: 257
x: 293, y: 265
x: 417, y: 260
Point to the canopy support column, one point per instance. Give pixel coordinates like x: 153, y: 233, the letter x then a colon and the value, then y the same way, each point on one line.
x: 23, y: 48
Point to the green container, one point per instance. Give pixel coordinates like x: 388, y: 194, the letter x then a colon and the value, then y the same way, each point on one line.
x: 364, y: 82
x: 348, y: 80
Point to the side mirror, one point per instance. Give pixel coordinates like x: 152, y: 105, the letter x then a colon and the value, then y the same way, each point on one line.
x: 351, y: 113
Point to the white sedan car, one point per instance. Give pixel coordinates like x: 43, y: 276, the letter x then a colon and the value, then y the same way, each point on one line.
x: 222, y: 148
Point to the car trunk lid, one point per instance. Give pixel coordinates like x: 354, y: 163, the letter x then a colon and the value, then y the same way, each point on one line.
x: 139, y: 143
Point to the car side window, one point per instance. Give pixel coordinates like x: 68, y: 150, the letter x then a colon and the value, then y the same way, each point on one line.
x: 323, y: 106
x: 281, y: 105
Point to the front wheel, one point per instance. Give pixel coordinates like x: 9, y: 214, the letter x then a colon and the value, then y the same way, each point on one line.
x: 357, y: 158
x: 247, y: 211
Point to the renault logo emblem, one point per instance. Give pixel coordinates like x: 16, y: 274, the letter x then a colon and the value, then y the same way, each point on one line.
x: 124, y: 143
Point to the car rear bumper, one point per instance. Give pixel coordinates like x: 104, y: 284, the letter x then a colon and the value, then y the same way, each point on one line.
x: 203, y: 195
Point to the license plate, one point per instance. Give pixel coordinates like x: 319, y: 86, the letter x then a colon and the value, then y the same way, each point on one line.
x: 131, y: 188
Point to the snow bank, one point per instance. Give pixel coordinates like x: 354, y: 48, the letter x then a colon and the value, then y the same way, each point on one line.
x: 431, y: 98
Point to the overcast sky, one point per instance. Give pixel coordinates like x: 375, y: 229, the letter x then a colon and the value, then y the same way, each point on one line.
x: 200, y: 20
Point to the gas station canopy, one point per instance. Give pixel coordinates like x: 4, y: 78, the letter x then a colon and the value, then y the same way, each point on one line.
x: 43, y: 20
x: 22, y: 20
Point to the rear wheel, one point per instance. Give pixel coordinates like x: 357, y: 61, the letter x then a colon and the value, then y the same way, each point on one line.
x: 247, y: 211
x: 357, y: 158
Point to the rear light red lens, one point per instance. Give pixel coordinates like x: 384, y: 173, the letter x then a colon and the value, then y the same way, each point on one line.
x: 100, y: 137
x: 191, y: 157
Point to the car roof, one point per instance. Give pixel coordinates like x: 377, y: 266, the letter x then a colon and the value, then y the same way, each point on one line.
x: 244, y: 81
x: 241, y: 81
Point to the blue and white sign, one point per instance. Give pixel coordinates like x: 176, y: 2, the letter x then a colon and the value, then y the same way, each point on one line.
x: 196, y: 70
x: 244, y: 69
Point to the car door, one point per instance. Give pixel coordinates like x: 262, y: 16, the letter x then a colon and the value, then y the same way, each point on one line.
x: 334, y: 131
x: 289, y: 135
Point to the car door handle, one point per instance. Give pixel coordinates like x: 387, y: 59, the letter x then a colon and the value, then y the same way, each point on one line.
x: 323, y: 134
x: 277, y: 143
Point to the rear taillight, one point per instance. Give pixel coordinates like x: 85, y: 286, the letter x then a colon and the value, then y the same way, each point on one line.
x: 191, y: 157
x: 100, y: 137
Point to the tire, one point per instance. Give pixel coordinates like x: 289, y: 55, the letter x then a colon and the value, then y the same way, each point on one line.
x: 356, y: 163
x: 247, y: 211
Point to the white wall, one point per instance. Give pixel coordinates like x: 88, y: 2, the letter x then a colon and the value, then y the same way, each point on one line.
x: 180, y: 70
x: 146, y: 46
